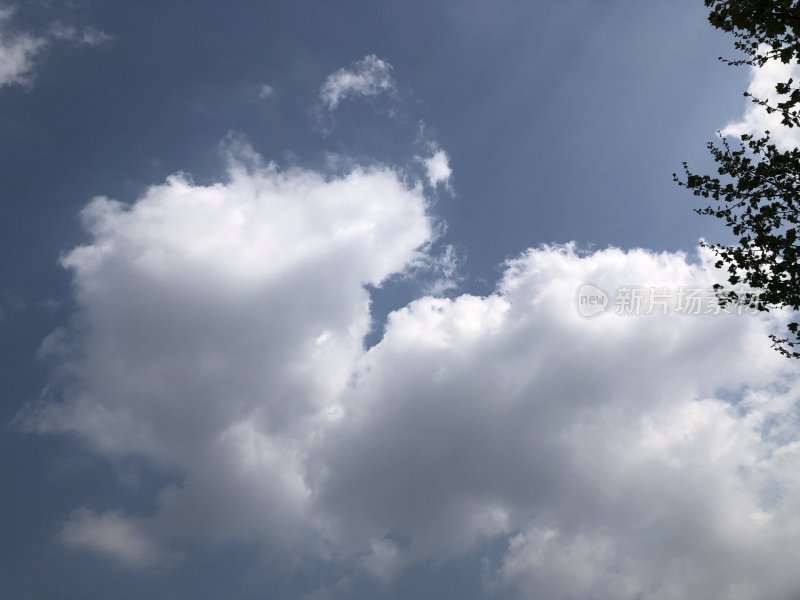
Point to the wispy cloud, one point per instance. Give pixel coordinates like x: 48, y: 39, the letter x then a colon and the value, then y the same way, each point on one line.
x: 10, y: 302
x: 113, y: 535
x: 369, y: 76
x: 19, y: 51
x: 88, y: 36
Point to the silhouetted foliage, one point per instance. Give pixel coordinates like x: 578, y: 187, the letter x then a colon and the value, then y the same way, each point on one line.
x: 757, y: 190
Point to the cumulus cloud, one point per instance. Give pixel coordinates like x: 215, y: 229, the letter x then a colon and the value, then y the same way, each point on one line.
x: 369, y: 76
x: 218, y: 327
x: 692, y: 491
x: 220, y: 333
x: 19, y: 51
x: 756, y: 120
x: 594, y: 443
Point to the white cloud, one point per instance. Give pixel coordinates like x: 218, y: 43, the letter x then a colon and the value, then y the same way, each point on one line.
x: 369, y: 76
x: 697, y: 502
x: 220, y: 325
x: 473, y: 414
x: 437, y: 168
x: 19, y: 51
x: 756, y: 120
x: 220, y: 333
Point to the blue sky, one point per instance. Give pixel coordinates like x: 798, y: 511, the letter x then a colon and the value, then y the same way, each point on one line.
x: 252, y: 346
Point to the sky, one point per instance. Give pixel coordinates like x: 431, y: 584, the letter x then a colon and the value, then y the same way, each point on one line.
x: 385, y: 299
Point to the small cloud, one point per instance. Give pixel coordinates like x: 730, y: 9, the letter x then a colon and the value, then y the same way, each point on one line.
x: 442, y: 271
x: 265, y: 91
x: 447, y: 265
x: 437, y: 162
x: 88, y: 36
x: 437, y: 167
x: 19, y: 51
x: 369, y: 76
x: 94, y: 37
x: 115, y: 536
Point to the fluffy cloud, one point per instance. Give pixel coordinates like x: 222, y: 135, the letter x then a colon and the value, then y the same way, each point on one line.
x: 218, y: 327
x: 220, y: 333
x: 369, y: 76
x: 437, y: 167
x: 609, y: 450
x: 756, y: 120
